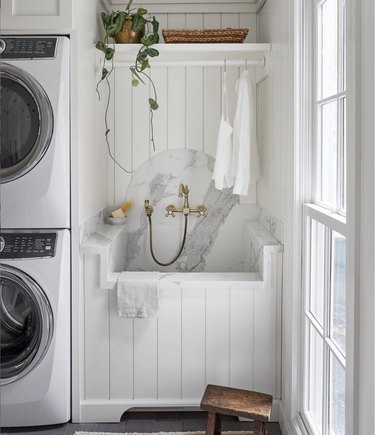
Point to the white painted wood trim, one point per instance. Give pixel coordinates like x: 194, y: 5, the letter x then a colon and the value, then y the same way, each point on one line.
x: 196, y: 6
x: 326, y: 217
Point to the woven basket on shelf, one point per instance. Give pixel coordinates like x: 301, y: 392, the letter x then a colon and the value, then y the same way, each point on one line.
x: 189, y: 36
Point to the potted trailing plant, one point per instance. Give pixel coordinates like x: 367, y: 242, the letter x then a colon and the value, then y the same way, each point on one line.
x: 129, y: 26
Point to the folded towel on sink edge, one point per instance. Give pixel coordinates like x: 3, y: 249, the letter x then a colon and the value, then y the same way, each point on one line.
x: 138, y: 294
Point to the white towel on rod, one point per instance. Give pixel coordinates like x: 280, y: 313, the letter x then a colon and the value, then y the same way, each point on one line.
x: 222, y: 169
x: 245, y: 158
x: 137, y: 294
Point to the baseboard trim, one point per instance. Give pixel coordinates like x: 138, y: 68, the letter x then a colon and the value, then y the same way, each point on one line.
x: 110, y: 411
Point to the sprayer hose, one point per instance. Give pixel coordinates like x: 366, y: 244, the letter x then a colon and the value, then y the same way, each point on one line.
x: 179, y: 252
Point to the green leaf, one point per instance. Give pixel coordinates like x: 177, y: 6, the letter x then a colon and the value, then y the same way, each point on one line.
x: 111, y: 30
x: 152, y: 52
x: 146, y: 41
x: 135, y: 82
x: 142, y: 55
x: 105, y: 73
x: 109, y: 52
x: 153, y: 104
x: 145, y: 65
x: 138, y: 23
x: 155, y: 26
x: 100, y: 46
x: 141, y: 11
x: 105, y: 19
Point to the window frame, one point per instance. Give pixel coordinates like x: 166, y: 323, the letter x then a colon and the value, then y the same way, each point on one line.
x: 333, y: 218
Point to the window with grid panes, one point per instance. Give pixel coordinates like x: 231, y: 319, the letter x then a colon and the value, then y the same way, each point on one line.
x: 325, y: 228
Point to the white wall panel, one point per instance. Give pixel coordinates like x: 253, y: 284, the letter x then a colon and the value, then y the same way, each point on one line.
x: 212, y: 90
x: 120, y: 352
x: 169, y: 344
x: 96, y: 356
x: 160, y: 118
x: 145, y: 344
x: 176, y: 107
x: 217, y: 337
x: 193, y: 343
x: 194, y: 108
x: 123, y: 132
x: 141, y: 123
x: 242, y: 339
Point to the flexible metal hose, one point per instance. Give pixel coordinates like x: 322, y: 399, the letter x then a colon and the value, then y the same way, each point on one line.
x: 179, y: 252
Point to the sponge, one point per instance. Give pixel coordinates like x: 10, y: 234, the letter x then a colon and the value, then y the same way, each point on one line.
x: 120, y: 212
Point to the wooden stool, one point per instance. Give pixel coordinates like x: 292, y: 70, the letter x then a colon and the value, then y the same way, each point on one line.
x: 233, y: 401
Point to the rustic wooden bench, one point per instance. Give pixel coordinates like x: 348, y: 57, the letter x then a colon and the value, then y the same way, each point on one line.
x: 233, y: 401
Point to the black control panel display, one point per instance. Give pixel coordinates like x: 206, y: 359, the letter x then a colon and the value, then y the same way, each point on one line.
x: 27, y: 48
x: 27, y: 245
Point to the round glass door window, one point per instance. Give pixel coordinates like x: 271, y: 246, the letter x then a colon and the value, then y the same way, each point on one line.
x: 26, y: 122
x: 26, y: 324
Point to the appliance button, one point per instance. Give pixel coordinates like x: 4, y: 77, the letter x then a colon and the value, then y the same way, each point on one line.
x: 2, y: 45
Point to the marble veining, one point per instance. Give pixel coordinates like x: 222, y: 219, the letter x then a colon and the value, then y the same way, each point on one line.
x: 158, y: 181
x: 272, y: 224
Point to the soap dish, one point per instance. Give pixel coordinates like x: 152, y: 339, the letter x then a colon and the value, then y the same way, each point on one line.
x: 114, y: 221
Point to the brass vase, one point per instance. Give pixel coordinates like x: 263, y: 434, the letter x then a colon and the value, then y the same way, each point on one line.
x: 127, y: 35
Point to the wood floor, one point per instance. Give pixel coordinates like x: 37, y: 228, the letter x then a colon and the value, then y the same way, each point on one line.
x: 143, y: 422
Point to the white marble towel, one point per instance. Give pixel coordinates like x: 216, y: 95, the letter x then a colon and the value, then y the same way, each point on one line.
x: 137, y: 294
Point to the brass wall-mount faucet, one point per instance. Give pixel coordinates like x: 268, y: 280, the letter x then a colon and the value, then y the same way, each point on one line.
x: 201, y: 209
x: 183, y: 191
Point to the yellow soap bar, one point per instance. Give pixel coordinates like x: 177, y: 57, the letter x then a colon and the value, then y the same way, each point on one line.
x: 117, y: 213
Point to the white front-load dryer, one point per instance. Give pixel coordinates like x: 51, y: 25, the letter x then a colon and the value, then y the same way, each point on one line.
x: 35, y: 132
x: 34, y: 327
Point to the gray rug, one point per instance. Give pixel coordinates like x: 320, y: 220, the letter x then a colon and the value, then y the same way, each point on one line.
x: 163, y: 433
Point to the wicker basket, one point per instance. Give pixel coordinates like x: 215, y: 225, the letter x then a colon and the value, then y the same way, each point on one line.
x: 206, y: 36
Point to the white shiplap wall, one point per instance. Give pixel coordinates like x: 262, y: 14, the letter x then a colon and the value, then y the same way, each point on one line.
x: 189, y: 100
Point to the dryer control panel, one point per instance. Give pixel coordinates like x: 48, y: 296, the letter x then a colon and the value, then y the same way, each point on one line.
x: 27, y: 48
x: 27, y: 245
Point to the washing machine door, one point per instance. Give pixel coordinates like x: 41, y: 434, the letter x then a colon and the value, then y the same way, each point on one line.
x: 26, y: 324
x: 26, y: 122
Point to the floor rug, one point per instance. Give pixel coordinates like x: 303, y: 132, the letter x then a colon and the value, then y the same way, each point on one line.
x: 246, y: 432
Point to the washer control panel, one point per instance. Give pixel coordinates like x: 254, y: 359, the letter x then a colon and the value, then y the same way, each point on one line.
x: 27, y: 245
x: 27, y: 48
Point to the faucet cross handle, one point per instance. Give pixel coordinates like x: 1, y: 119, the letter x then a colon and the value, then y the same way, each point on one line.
x: 201, y: 211
x: 170, y: 210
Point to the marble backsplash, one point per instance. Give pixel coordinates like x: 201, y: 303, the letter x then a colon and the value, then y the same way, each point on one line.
x: 214, y: 243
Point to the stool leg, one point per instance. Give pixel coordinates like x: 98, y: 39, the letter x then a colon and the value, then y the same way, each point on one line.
x: 213, y: 423
x: 263, y: 428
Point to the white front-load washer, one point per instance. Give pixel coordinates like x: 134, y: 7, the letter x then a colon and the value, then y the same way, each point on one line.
x: 34, y: 327
x: 35, y: 132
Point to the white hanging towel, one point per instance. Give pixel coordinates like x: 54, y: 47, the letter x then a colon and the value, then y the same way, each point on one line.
x: 222, y: 169
x: 245, y: 159
x: 137, y: 294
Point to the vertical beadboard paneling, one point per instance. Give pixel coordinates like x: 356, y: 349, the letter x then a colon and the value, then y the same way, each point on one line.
x: 249, y: 21
x: 265, y: 345
x: 169, y: 344
x: 217, y: 337
x: 96, y: 323
x: 194, y: 21
x: 229, y: 20
x: 194, y: 108
x: 211, y: 107
x: 122, y: 131
x: 241, y: 338
x: 104, y: 92
x: 121, y: 353
x: 212, y: 21
x: 176, y: 107
x: 145, y: 358
x: 176, y: 21
x: 141, y: 124
x: 193, y: 342
x: 163, y: 24
x: 160, y: 76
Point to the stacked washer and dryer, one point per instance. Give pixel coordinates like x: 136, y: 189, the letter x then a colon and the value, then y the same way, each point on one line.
x: 35, y: 231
